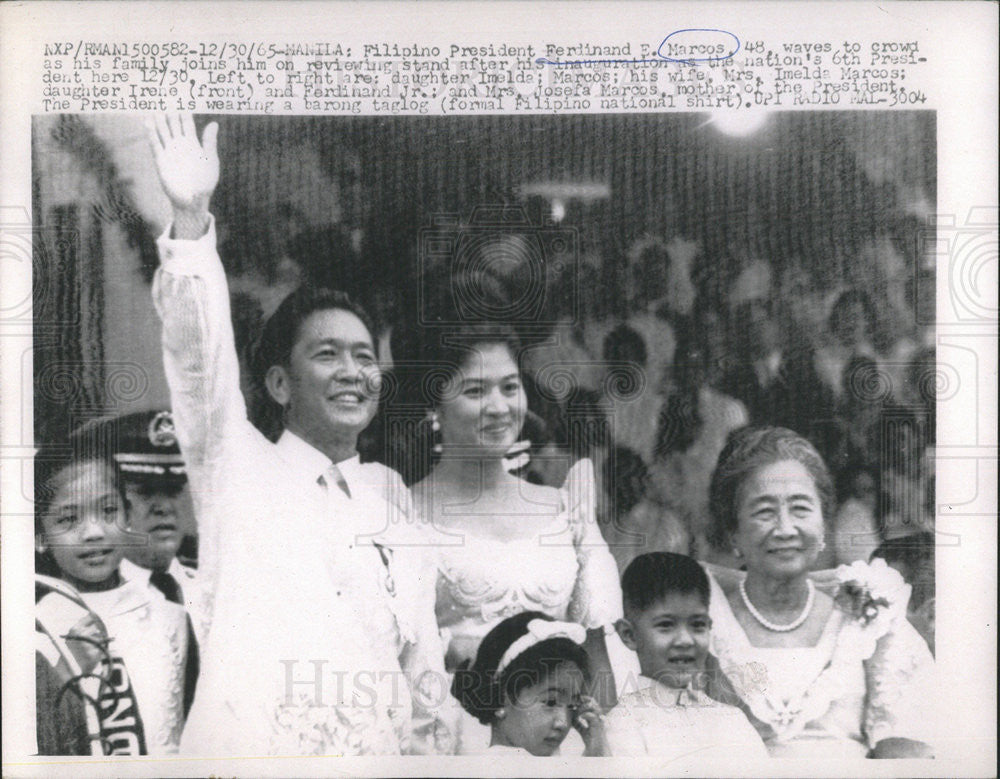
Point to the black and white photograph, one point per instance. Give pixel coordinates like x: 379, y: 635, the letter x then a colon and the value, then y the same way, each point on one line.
x: 498, y: 435
x: 387, y: 397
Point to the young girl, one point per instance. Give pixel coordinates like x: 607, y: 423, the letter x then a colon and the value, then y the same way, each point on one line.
x: 527, y: 685
x: 118, y: 647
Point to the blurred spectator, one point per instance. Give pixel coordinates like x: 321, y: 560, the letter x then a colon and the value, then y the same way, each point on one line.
x: 691, y: 431
x: 849, y: 334
x: 638, y: 523
x: 633, y: 389
x: 913, y: 557
x: 855, y: 530
x: 777, y: 382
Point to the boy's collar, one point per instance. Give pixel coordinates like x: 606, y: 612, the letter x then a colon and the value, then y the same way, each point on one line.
x: 673, y: 696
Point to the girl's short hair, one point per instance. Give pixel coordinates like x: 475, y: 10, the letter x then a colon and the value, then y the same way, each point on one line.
x: 747, y: 450
x: 482, y: 691
x: 93, y: 442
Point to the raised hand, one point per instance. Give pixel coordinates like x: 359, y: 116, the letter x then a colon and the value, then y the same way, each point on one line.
x: 589, y: 723
x: 189, y: 169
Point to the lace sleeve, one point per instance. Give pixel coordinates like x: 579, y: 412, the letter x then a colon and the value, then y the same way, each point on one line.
x: 199, y: 358
x: 597, y: 596
x: 900, y: 680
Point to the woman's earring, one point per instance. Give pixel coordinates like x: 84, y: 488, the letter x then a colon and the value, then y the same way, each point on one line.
x: 501, y: 713
x: 737, y: 553
x: 432, y: 417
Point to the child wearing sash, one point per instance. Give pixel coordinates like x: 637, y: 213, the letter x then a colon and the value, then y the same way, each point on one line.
x: 110, y: 653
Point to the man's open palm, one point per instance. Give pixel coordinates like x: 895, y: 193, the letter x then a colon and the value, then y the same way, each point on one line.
x: 189, y: 170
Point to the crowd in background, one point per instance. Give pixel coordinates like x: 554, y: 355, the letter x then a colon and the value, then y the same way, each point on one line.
x: 650, y: 371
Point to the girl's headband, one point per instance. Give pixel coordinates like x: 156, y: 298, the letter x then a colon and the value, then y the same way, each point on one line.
x: 541, y: 630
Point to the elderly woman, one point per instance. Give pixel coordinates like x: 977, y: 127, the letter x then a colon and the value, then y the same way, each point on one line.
x: 826, y: 664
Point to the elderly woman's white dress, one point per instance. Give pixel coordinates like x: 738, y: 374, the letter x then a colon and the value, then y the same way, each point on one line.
x: 859, y: 684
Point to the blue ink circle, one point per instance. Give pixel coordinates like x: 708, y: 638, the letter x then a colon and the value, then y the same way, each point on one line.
x: 697, y: 59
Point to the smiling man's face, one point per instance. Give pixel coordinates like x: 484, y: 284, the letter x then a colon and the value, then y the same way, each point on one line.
x: 332, y: 376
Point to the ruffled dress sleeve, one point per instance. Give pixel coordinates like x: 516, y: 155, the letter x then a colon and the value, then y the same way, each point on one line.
x: 596, y: 601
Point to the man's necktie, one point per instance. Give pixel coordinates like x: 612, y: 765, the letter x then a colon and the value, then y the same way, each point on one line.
x: 167, y: 584
x: 333, y: 476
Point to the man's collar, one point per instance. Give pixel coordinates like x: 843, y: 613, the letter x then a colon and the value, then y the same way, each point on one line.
x: 305, y: 457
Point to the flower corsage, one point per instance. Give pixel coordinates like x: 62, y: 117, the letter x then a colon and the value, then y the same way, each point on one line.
x: 871, y: 594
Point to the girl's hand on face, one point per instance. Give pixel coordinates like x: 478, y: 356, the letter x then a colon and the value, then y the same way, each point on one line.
x: 589, y: 723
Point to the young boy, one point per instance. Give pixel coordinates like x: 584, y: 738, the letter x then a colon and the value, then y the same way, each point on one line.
x: 667, y: 625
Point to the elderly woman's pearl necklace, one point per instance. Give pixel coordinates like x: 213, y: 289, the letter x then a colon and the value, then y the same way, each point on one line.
x: 771, y: 625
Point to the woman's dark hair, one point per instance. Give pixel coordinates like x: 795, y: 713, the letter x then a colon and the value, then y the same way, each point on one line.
x: 481, y: 691
x: 279, y: 336
x: 424, y: 365
x: 747, y: 450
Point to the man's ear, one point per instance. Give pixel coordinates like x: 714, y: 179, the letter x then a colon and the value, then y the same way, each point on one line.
x: 278, y: 382
x: 626, y: 633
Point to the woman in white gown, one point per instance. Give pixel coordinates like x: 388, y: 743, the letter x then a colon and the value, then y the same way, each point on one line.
x: 826, y: 663
x: 504, y: 545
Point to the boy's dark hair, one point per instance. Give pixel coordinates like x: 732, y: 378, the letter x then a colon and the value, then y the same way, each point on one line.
x: 481, y: 691
x: 652, y: 576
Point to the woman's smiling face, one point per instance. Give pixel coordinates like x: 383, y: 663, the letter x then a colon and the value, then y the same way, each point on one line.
x: 485, y: 409
x: 779, y: 520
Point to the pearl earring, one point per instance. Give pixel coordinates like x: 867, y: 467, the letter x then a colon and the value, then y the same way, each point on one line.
x: 432, y: 417
x: 501, y: 713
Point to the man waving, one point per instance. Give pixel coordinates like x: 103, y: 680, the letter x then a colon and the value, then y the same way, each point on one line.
x: 317, y: 625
